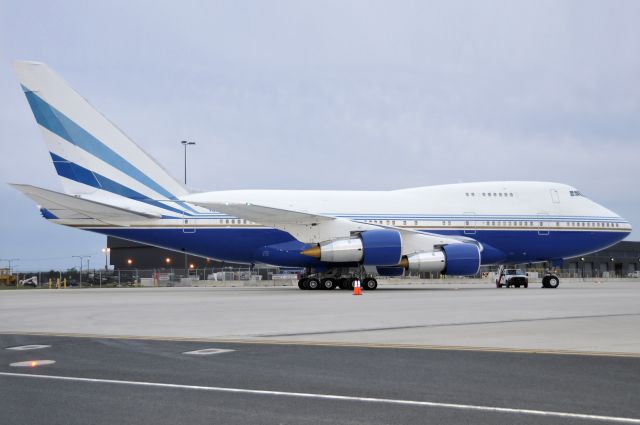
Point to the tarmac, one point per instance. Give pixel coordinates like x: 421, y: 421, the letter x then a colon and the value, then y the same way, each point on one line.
x: 580, y: 317
x: 448, y: 353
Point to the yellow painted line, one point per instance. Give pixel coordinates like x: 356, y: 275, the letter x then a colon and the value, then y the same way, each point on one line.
x: 336, y: 344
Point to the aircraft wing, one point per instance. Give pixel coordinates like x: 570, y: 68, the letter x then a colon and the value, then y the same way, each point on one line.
x: 266, y: 215
x: 67, y: 207
x: 315, y: 228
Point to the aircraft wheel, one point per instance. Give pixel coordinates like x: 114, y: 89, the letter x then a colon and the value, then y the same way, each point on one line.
x: 370, y: 284
x: 312, y: 283
x: 553, y: 282
x: 347, y: 284
x: 328, y: 283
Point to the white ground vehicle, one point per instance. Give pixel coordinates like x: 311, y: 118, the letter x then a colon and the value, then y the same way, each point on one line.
x: 512, y: 277
x: 32, y: 281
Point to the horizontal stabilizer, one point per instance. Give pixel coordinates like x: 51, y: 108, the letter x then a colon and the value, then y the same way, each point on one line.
x: 68, y: 207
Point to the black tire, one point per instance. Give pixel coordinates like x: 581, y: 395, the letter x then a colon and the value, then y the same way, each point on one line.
x: 550, y: 282
x: 526, y: 285
x: 347, y: 284
x: 312, y: 283
x: 369, y: 284
x: 328, y: 283
x: 301, y: 283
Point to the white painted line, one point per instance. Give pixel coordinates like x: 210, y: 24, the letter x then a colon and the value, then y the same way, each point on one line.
x: 28, y: 347
x: 208, y: 351
x: 32, y: 363
x: 552, y: 414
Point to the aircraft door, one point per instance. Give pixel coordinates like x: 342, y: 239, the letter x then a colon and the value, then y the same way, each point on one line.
x: 470, y: 223
x: 555, y: 197
x: 188, y: 224
x: 543, y: 224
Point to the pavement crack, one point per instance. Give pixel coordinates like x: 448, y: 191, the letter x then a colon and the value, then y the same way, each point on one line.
x: 441, y: 325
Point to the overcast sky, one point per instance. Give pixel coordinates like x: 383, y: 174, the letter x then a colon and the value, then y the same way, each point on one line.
x: 332, y: 95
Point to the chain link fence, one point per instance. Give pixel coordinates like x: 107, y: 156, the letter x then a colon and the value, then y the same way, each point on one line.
x: 230, y: 276
x: 100, y: 278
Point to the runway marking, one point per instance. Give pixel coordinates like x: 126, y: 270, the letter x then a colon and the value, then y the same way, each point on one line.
x: 208, y: 351
x: 28, y: 347
x: 532, y: 412
x: 337, y: 344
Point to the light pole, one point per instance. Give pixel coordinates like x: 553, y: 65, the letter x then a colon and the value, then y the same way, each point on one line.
x: 9, y: 260
x: 185, y: 144
x: 106, y: 258
x: 81, y: 257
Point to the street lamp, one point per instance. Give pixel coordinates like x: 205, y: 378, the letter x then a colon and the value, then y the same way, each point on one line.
x: 9, y: 260
x: 106, y: 258
x: 185, y: 144
x: 81, y: 257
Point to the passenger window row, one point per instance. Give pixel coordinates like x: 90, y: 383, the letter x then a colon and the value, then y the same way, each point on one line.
x: 518, y: 223
x: 492, y: 194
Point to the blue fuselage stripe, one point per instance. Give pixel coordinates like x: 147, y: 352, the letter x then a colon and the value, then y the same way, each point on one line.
x: 277, y: 247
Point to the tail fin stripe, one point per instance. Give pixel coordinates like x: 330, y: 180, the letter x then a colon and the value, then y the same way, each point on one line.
x: 82, y: 175
x: 58, y: 123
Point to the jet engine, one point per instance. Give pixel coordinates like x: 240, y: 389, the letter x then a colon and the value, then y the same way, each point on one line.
x: 384, y: 248
x: 373, y: 247
x: 460, y: 259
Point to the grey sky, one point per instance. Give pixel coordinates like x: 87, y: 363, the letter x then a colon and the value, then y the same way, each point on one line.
x: 335, y: 95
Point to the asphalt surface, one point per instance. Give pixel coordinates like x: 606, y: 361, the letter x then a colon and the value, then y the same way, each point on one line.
x: 585, y: 316
x: 576, y: 384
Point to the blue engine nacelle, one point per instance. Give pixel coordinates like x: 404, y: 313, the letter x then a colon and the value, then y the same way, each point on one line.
x: 461, y: 259
x: 371, y: 248
x: 381, y: 247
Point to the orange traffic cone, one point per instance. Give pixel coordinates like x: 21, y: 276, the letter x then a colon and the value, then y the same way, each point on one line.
x: 357, y: 290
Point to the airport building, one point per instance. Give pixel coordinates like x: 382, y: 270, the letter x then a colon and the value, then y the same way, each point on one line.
x: 126, y: 254
x: 619, y: 260
x: 616, y: 261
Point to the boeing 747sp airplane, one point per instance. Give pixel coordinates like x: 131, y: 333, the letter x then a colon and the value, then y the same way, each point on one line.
x: 114, y: 188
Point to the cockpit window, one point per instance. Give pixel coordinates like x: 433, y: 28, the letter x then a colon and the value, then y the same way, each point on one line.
x: 575, y: 193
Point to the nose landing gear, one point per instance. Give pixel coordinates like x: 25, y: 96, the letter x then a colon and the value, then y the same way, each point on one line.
x: 550, y: 281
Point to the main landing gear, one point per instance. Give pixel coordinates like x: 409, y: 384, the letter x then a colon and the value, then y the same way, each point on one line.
x: 333, y: 282
x: 550, y: 281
